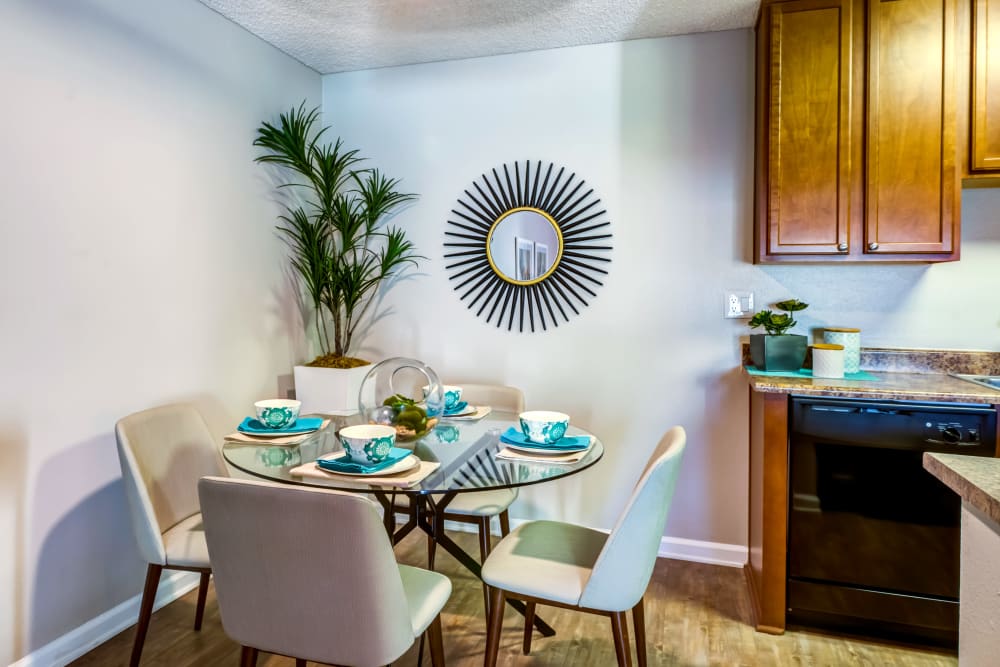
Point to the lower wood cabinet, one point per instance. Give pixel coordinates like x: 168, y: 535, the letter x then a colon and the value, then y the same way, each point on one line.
x: 766, y: 570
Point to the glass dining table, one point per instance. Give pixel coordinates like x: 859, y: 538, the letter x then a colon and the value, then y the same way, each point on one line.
x: 466, y: 452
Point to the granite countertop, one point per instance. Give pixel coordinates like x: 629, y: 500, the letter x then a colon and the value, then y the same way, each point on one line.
x: 975, y: 478
x: 911, y: 375
x: 888, y: 386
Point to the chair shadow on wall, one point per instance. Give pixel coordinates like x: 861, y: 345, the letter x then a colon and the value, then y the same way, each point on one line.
x: 13, y: 483
x: 88, y: 562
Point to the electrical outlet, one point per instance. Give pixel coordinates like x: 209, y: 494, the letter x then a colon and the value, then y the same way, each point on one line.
x: 738, y: 305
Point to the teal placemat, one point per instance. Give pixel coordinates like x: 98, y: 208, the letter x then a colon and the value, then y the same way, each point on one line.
x: 807, y: 373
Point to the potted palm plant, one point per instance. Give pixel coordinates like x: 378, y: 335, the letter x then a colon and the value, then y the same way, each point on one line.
x: 778, y: 350
x: 342, y: 249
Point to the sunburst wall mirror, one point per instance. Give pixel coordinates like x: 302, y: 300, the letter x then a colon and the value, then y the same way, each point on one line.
x: 527, y: 245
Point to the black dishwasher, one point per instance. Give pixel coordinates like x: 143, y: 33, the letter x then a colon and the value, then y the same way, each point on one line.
x: 873, y: 538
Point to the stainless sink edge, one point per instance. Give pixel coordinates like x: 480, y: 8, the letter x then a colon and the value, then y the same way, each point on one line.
x: 989, y: 381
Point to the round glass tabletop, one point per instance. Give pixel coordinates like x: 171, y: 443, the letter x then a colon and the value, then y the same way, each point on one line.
x: 466, y: 451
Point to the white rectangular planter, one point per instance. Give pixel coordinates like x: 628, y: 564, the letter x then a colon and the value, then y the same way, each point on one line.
x: 329, y: 391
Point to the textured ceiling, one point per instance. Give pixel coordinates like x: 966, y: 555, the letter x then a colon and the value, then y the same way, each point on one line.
x: 343, y: 35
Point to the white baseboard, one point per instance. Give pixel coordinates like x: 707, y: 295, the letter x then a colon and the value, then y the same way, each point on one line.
x: 712, y: 553
x: 96, y: 631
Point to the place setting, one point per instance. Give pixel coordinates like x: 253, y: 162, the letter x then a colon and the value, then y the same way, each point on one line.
x: 542, y: 438
x: 457, y: 409
x: 277, y: 422
x: 370, y: 456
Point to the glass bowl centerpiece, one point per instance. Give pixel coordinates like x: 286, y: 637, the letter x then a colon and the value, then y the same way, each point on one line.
x: 403, y: 393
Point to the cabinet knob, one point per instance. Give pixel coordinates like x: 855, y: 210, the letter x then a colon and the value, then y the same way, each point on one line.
x: 842, y: 247
x: 873, y: 246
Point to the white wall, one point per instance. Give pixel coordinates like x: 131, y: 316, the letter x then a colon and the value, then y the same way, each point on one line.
x: 139, y: 266
x: 662, y: 129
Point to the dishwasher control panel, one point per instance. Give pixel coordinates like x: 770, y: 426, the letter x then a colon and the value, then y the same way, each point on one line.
x: 945, y: 427
x: 954, y: 432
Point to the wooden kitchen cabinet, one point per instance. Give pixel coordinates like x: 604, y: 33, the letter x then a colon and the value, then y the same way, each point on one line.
x: 808, y: 59
x: 985, y: 125
x: 767, y: 564
x: 858, y: 157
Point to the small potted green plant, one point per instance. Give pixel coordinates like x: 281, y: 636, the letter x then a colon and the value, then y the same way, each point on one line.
x: 777, y: 350
x: 341, y: 248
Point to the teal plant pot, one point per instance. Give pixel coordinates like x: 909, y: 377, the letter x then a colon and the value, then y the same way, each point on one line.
x: 786, y: 352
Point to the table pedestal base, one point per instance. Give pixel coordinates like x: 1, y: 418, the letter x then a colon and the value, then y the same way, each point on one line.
x: 431, y: 521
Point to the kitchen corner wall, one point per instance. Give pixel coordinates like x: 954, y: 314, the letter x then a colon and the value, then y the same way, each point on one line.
x: 139, y: 266
x: 662, y: 129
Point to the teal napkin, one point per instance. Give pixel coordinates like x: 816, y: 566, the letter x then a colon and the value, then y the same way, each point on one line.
x: 567, y: 443
x: 302, y: 425
x: 396, y: 454
x: 807, y: 373
x: 458, y: 408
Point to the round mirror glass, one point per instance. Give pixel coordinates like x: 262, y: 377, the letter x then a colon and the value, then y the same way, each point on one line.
x: 524, y: 245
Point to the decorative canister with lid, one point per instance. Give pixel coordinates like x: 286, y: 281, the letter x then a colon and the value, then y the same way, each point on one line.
x: 851, y: 340
x: 828, y: 360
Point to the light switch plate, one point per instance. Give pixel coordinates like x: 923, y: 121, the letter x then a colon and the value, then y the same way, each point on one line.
x: 737, y: 305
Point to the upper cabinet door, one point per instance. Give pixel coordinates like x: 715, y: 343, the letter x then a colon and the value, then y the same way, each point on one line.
x: 806, y: 117
x: 912, y: 177
x: 986, y: 86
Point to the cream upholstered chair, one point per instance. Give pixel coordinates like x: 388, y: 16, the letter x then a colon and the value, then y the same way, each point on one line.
x: 565, y: 565
x: 163, y: 452
x: 310, y: 573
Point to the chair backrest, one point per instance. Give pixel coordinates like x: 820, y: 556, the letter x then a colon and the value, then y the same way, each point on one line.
x: 163, y: 452
x: 304, y: 572
x: 625, y: 564
x: 497, y: 396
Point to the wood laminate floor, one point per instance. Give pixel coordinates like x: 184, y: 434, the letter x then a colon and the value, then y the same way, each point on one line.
x: 695, y: 615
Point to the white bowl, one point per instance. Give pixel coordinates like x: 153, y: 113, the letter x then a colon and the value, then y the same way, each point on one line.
x: 368, y: 443
x: 542, y: 426
x: 451, y: 394
x: 277, y: 412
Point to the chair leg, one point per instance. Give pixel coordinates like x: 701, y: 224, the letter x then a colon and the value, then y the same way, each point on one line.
x: 431, y: 551
x: 485, y: 545
x: 437, y: 645
x: 248, y: 657
x: 619, y: 628
x: 389, y: 519
x: 504, y: 524
x: 639, y: 620
x: 497, y: 602
x: 437, y: 523
x: 529, y: 623
x: 145, y: 611
x: 300, y: 662
x: 199, y: 612
x: 484, y: 550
